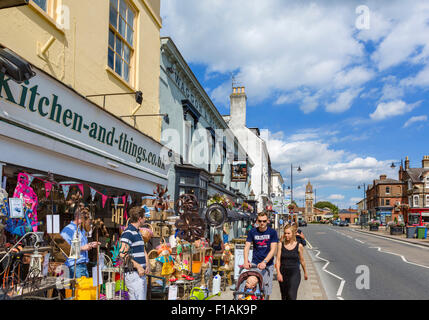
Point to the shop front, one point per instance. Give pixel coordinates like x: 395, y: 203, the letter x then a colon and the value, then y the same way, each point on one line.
x: 54, y: 143
x: 418, y: 216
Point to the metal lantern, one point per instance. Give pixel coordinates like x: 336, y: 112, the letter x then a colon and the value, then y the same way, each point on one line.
x: 75, y: 247
x: 36, y: 263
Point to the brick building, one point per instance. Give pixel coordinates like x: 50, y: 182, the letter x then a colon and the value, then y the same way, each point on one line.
x: 383, y: 199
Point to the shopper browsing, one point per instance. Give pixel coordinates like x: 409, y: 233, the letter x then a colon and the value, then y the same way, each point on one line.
x: 132, y: 248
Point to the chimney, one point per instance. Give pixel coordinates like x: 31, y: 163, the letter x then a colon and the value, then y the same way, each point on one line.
x: 425, y: 162
x: 238, y: 101
x: 383, y: 177
x: 407, y: 163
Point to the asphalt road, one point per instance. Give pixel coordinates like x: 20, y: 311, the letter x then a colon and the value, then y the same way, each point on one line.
x: 357, y: 266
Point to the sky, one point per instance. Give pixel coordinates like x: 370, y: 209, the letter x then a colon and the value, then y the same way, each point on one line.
x: 340, y: 87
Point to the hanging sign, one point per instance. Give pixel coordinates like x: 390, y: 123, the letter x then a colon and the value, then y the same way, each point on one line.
x: 239, y: 171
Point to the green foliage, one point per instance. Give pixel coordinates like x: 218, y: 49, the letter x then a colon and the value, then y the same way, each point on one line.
x: 327, y: 204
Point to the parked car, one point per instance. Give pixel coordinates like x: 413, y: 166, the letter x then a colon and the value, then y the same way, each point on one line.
x: 343, y: 223
x: 336, y: 222
x: 302, y: 223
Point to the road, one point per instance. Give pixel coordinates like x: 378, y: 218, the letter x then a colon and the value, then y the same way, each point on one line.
x: 343, y: 257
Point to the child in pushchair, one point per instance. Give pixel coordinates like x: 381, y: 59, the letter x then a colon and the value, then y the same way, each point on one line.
x: 250, y: 285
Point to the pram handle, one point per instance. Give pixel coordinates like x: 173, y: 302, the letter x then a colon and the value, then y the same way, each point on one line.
x: 252, y: 266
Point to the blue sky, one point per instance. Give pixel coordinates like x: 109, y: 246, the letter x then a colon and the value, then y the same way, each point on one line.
x: 340, y: 86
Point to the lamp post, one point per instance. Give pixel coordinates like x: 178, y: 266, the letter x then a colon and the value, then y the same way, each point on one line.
x: 291, y: 180
x: 364, y: 202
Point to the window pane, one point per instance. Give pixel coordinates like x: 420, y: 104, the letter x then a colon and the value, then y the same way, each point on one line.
x: 111, y: 57
x: 122, y: 27
x: 126, y: 72
x: 130, y: 18
x: 41, y: 4
x: 118, y: 48
x: 127, y: 53
x: 118, y: 65
x: 113, y: 17
x: 114, y: 3
x: 130, y: 34
x: 123, y: 9
x: 111, y: 39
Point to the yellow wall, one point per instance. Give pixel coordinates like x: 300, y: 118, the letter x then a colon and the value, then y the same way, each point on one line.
x: 78, y: 56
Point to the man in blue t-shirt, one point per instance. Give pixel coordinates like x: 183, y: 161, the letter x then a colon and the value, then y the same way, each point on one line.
x: 264, y: 240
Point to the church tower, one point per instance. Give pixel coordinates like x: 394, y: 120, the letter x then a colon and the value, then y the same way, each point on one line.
x: 309, y: 197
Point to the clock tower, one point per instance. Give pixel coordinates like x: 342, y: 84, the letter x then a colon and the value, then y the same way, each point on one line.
x: 309, y: 198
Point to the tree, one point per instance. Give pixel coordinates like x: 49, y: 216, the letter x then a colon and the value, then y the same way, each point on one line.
x: 327, y: 204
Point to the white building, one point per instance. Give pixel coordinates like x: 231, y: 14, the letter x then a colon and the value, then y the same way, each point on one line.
x: 256, y: 147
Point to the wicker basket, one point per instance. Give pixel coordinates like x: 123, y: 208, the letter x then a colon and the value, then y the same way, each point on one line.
x: 147, y: 232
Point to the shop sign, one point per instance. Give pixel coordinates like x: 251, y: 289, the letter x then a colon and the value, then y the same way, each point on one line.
x: 239, y: 171
x: 45, y: 106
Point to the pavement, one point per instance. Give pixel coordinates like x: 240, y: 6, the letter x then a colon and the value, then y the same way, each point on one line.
x: 310, y: 289
x: 384, y: 232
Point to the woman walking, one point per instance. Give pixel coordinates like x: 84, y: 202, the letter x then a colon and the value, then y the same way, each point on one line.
x: 289, y: 257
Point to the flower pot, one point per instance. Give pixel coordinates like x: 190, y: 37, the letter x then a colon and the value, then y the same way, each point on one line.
x: 373, y: 228
x: 397, y: 230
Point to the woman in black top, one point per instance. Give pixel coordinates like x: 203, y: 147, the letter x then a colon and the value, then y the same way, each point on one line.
x: 289, y: 257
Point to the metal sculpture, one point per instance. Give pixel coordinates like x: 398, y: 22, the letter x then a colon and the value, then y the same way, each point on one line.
x: 190, y: 224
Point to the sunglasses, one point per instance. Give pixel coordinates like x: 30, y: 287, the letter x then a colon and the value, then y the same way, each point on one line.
x: 263, y: 221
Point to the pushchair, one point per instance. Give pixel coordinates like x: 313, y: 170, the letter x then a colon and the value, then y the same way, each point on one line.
x: 240, y: 288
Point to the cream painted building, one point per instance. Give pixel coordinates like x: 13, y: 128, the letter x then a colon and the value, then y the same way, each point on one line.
x: 94, y: 47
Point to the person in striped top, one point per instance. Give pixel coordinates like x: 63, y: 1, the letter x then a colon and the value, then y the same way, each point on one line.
x: 133, y: 246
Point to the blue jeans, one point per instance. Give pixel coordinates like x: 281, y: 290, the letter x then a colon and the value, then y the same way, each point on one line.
x: 136, y: 285
x: 81, y: 271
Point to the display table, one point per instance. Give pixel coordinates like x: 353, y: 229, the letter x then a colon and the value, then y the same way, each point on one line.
x: 38, y: 289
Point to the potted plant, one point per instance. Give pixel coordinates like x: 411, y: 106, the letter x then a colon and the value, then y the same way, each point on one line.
x: 396, y: 228
x: 373, y: 225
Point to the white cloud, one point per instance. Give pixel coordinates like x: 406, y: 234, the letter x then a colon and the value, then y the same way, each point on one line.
x: 390, y: 109
x: 276, y: 46
x: 320, y: 162
x: 414, y: 120
x: 344, y: 101
x: 336, y: 197
x: 355, y: 200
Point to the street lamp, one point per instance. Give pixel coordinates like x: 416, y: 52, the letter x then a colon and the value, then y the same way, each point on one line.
x: 364, y: 202
x: 291, y: 180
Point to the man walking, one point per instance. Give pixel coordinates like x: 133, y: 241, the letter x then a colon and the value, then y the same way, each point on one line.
x: 133, y: 246
x: 264, y: 240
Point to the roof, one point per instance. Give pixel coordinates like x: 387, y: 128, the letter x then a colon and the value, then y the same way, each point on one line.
x: 347, y: 211
x: 387, y: 181
x: 415, y: 173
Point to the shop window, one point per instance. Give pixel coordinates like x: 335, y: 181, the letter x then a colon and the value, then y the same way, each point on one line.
x: 188, y: 180
x: 121, y: 38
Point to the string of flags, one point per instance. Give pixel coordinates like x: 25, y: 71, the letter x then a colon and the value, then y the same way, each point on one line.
x: 65, y: 186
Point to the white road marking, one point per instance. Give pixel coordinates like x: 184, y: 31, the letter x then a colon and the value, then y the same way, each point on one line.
x: 359, y: 241
x: 309, y: 244
x: 386, y: 238
x: 350, y: 237
x: 402, y: 257
x: 341, y: 287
